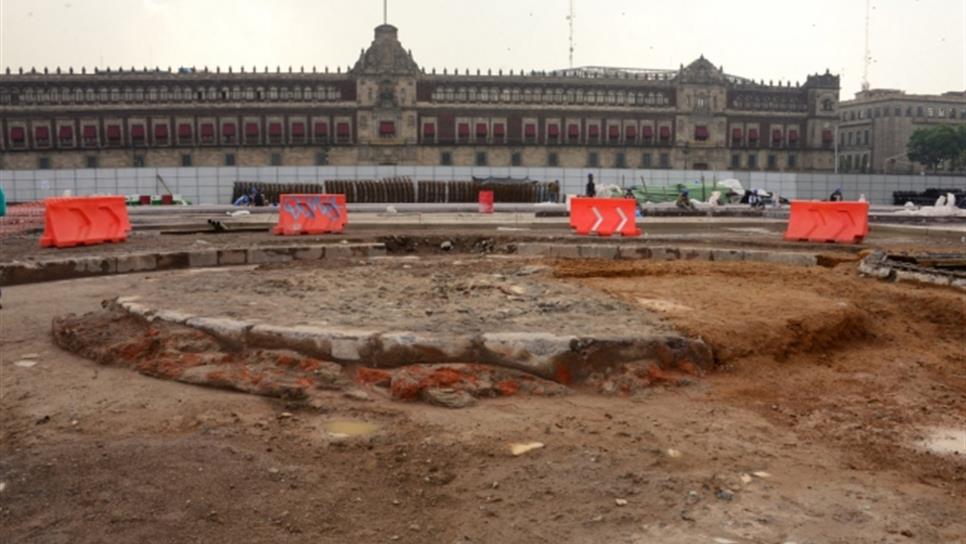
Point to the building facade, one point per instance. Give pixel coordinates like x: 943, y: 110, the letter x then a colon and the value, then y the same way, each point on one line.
x: 387, y: 110
x: 875, y: 127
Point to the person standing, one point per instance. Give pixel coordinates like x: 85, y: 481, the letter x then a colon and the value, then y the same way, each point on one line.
x: 837, y: 195
x: 591, y: 187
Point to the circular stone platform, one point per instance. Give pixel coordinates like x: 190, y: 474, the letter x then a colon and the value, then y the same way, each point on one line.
x: 401, y: 311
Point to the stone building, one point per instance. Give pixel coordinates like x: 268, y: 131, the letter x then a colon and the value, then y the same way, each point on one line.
x: 387, y: 110
x: 875, y: 127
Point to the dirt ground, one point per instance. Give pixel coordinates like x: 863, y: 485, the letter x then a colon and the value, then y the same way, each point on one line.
x: 808, y: 433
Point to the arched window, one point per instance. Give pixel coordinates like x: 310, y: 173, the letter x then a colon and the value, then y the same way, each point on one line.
x: 296, y: 93
x: 321, y: 93
x: 153, y: 94
x: 273, y: 93
x: 249, y: 93
x: 335, y: 94
x: 516, y: 95
x: 176, y: 94
x: 461, y: 94
x: 139, y: 94
x: 528, y: 95
x: 164, y: 94
x: 78, y: 95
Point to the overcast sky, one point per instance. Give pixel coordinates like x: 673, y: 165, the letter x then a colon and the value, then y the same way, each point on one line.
x: 917, y: 45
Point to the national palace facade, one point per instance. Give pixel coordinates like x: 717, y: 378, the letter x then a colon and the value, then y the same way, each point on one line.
x: 387, y: 110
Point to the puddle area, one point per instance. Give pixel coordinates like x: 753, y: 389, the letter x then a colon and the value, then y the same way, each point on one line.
x: 348, y: 428
x: 945, y: 441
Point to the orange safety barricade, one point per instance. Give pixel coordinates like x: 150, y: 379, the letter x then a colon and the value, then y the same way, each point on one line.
x: 486, y: 201
x: 73, y: 221
x: 604, y: 216
x: 311, y: 214
x: 814, y: 221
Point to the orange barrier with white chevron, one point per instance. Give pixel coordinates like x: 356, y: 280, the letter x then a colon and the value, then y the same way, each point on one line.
x: 74, y: 221
x: 604, y: 216
x: 814, y: 221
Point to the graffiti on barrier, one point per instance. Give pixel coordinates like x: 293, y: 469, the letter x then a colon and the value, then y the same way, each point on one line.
x: 311, y: 207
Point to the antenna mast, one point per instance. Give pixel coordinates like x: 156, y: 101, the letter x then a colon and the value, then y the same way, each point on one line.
x: 385, y: 12
x: 868, y: 51
x: 571, y: 18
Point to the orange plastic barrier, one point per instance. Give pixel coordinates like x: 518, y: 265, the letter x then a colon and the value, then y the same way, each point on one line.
x: 486, y: 201
x: 814, y: 221
x: 311, y: 214
x: 604, y: 216
x: 87, y: 220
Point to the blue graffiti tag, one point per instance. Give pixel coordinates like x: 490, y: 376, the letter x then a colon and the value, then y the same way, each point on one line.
x: 312, y: 206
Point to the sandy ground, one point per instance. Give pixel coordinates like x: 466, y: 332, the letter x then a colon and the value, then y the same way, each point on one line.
x: 809, y: 433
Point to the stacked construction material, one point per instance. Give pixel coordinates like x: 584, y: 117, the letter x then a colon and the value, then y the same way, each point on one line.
x: 404, y: 190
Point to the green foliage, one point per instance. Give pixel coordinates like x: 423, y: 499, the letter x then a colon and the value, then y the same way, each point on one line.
x: 935, y: 145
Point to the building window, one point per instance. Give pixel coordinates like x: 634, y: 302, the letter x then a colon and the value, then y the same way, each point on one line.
x: 772, y: 162
x: 321, y: 158
x: 229, y: 159
x: 792, y: 162
x: 919, y: 111
x: 665, y: 160
x: 91, y: 161
x: 481, y: 158
x: 866, y: 138
x: 276, y: 159
x: 552, y: 159
x: 850, y: 138
x: 516, y: 159
x: 446, y: 158
x: 186, y: 159
x: 43, y: 163
x: 646, y: 161
x: 620, y: 160
x: 593, y: 159
x: 752, y: 162
x: 736, y: 161
x: 139, y: 161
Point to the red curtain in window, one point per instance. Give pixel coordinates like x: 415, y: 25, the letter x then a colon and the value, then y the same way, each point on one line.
x: 753, y: 134
x: 827, y: 136
x: 161, y: 132
x: 593, y: 131
x: 630, y: 133
x: 90, y: 132
x: 322, y: 129
x: 647, y: 132
x: 251, y: 130
x: 481, y: 130
x: 463, y: 130
x: 793, y: 136
x: 573, y: 131
x: 429, y: 130
x: 387, y: 128
x: 113, y: 132
x: 228, y: 129
x: 776, y: 135
x: 530, y: 130
x: 665, y: 133
x: 184, y: 131
x: 343, y: 130
x: 700, y: 133
x: 66, y: 133
x: 137, y: 132
x: 298, y: 130
x: 736, y: 134
x: 275, y: 129
x: 17, y: 134
x: 499, y: 130
x: 42, y: 134
x: 207, y: 130
x: 614, y: 132
x: 553, y: 130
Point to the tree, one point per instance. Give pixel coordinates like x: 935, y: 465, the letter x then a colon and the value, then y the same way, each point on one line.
x: 935, y: 145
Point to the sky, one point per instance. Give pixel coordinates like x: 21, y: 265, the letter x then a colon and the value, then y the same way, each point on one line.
x: 917, y: 45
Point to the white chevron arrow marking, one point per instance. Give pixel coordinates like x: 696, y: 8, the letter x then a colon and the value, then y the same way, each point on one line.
x: 620, y: 212
x: 600, y: 219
